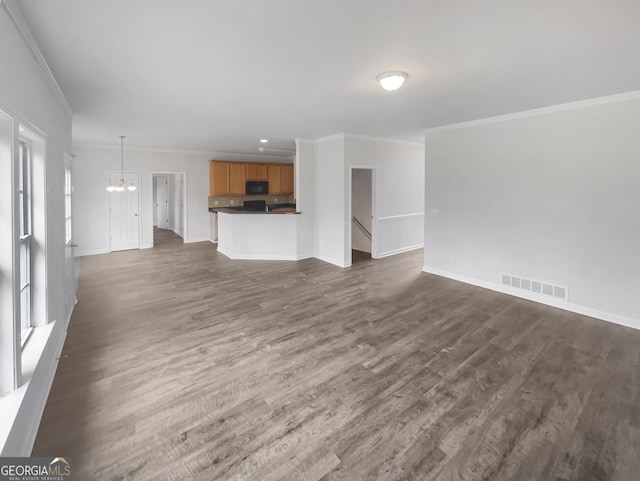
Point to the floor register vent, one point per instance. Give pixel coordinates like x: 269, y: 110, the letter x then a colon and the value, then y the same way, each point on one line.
x: 537, y: 287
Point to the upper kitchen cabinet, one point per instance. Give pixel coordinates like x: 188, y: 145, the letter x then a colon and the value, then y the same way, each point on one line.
x: 237, y: 178
x: 274, y: 176
x: 287, y: 178
x: 229, y: 178
x: 256, y: 172
x: 218, y: 178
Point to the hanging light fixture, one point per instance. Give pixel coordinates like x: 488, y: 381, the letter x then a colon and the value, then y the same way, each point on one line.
x: 122, y: 184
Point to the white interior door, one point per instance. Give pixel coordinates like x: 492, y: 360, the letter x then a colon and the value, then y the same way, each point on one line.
x: 125, y: 218
x: 162, y: 202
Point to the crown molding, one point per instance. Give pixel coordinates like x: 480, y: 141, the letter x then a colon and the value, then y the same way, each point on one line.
x: 580, y: 104
x: 346, y: 135
x: 211, y: 154
x: 18, y: 19
x: 385, y: 139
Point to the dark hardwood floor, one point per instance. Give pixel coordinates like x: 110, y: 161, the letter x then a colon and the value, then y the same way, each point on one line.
x: 181, y: 364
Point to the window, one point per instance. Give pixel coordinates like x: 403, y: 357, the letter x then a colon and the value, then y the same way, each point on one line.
x: 26, y: 235
x: 67, y: 206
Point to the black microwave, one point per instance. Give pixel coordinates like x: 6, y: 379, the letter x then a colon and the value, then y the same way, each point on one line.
x: 257, y: 188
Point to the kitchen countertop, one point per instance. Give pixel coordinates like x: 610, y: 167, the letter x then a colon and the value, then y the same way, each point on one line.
x: 228, y: 210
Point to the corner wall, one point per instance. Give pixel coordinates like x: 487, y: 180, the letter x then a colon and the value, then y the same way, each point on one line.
x: 328, y: 202
x: 550, y: 196
x: 399, y: 190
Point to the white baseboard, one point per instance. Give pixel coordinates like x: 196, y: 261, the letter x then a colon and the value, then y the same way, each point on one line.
x: 258, y: 257
x: 91, y: 253
x: 399, y: 251
x: 193, y: 241
x: 329, y: 260
x: 567, y: 306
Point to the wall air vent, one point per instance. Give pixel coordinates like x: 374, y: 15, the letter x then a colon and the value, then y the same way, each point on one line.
x: 537, y: 287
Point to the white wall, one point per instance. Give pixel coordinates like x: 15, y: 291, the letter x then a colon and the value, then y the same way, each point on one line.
x: 176, y: 203
x: 398, y: 206
x: 551, y: 196
x: 90, y: 202
x: 361, y: 208
x: 27, y: 96
x: 399, y: 190
x: 304, y: 171
x: 329, y: 200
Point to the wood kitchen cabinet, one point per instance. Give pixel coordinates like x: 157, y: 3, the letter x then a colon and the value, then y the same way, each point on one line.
x: 274, y: 177
x: 228, y: 178
x: 287, y: 178
x: 218, y: 178
x: 256, y: 172
x: 237, y: 178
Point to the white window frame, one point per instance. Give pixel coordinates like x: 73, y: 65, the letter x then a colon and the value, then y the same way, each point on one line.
x: 23, y: 260
x: 25, y: 273
x: 68, y: 224
x: 10, y: 349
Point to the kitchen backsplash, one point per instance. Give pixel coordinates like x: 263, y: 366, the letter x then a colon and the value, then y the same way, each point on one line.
x: 239, y: 199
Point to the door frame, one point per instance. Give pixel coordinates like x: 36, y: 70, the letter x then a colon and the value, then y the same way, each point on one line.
x: 154, y: 186
x: 108, y: 204
x: 185, y: 205
x: 374, y: 211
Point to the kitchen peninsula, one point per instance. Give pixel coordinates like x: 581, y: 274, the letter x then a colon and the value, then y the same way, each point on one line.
x: 258, y: 235
x: 258, y: 220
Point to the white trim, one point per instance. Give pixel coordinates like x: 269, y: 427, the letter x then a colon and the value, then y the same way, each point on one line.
x: 92, y: 253
x: 16, y: 16
x: 329, y: 260
x: 330, y: 137
x: 567, y: 306
x: 634, y: 95
x: 193, y: 241
x: 416, y: 143
x: 211, y: 155
x: 399, y: 251
x: 400, y: 216
x: 258, y: 257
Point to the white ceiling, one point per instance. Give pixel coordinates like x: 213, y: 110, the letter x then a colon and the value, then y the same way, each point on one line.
x: 217, y: 75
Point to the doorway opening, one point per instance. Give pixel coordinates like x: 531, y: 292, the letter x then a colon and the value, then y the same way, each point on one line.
x: 363, y: 242
x: 169, y: 207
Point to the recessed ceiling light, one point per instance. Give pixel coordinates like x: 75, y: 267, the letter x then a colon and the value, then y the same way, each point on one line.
x: 264, y: 141
x: 392, y: 80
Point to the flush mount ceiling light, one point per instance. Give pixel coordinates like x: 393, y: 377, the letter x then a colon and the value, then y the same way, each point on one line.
x: 122, y: 184
x: 392, y: 80
x: 264, y: 141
